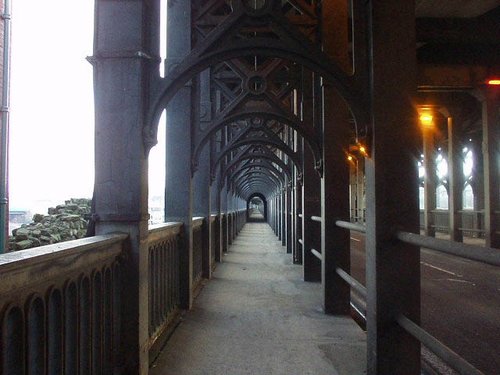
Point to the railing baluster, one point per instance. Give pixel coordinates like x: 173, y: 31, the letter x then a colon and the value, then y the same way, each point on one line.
x: 97, y: 323
x: 36, y: 337
x: 55, y: 333
x: 12, y: 342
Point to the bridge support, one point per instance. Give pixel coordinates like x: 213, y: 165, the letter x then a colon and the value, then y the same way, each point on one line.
x: 123, y: 48
x: 311, y: 231
x: 455, y: 176
x: 335, y: 243
x: 491, y: 162
x: 179, y: 186
x: 393, y: 268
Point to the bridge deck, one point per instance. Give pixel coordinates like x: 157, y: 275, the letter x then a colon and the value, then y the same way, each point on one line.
x: 257, y: 316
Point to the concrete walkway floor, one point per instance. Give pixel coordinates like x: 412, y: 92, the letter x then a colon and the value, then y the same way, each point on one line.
x: 257, y: 316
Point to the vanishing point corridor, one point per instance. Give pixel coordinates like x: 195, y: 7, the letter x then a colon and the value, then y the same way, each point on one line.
x: 257, y: 316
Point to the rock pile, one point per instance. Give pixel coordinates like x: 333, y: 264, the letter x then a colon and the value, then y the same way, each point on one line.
x: 63, y: 223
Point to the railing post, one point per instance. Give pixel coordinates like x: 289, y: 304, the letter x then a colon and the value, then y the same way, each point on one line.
x: 393, y: 268
x: 125, y: 45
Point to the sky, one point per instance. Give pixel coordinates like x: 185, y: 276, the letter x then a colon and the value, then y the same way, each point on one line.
x: 52, y: 114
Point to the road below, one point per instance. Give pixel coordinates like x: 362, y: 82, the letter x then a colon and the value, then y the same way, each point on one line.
x: 460, y: 303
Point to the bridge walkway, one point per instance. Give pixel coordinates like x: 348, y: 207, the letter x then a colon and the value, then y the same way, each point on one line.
x: 257, y: 316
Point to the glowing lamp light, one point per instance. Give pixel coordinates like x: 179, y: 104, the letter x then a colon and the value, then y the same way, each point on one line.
x: 494, y: 82
x: 362, y: 150
x: 349, y: 157
x: 426, y: 119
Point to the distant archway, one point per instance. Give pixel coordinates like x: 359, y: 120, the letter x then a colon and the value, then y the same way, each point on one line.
x: 257, y: 208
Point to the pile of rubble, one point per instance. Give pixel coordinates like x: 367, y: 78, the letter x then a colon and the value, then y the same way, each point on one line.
x: 63, y: 223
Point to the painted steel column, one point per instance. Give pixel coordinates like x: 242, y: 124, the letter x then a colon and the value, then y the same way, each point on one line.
x: 288, y: 215
x: 393, y: 268
x: 224, y: 221
x: 311, y: 187
x: 216, y: 203
x: 455, y: 177
x: 123, y: 60
x: 335, y: 241
x: 491, y: 163
x: 360, y: 190
x: 283, y: 216
x: 203, y: 208
x: 297, y: 255
x: 278, y: 204
x: 429, y: 180
x: 180, y: 116
x: 311, y: 230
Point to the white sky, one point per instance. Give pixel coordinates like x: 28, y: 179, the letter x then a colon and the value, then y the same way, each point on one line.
x: 52, y: 114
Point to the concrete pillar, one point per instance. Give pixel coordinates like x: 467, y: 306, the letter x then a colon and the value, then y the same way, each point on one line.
x: 125, y: 44
x: 335, y: 241
x: 179, y: 187
x: 491, y: 162
x: 392, y: 268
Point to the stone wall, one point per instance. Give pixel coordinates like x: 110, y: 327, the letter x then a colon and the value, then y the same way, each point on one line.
x: 62, y: 223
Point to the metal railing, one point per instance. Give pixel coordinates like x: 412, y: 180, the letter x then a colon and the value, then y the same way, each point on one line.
x: 197, y: 250
x: 318, y: 219
x: 214, y: 229
x: 61, y: 307
x: 163, y: 248
x: 481, y: 254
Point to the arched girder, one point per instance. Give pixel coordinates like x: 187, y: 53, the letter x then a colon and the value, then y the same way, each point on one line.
x: 258, y: 185
x: 266, y: 165
x: 264, y: 189
x: 234, y: 163
x: 290, y: 45
x: 262, y: 177
x: 250, y: 173
x: 294, y: 156
x: 302, y: 128
x: 257, y: 194
x: 264, y: 153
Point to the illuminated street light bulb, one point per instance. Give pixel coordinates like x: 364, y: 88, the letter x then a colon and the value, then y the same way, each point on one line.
x: 362, y: 150
x: 349, y: 157
x: 426, y: 120
x: 494, y: 82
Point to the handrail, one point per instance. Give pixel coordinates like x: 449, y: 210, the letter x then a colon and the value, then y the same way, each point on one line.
x: 487, y: 255
x: 355, y: 284
x: 437, y: 347
x: 160, y: 231
x: 197, y: 221
x: 300, y: 215
x: 319, y: 219
x: 300, y: 241
x: 24, y: 259
x: 351, y: 226
x: 317, y: 254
